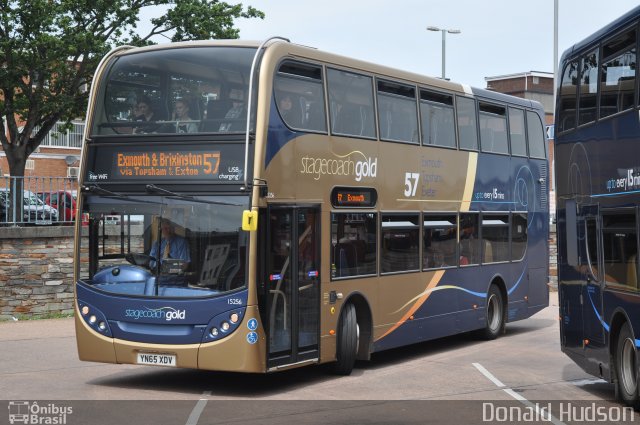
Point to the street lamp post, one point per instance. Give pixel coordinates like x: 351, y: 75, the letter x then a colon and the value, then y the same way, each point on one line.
x: 444, y: 44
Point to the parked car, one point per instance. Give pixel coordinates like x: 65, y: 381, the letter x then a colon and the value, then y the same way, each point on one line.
x: 35, y: 211
x: 61, y: 200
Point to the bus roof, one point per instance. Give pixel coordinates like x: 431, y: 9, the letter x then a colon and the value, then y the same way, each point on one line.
x: 612, y: 27
x: 305, y: 52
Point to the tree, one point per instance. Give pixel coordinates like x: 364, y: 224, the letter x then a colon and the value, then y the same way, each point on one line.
x: 49, y: 50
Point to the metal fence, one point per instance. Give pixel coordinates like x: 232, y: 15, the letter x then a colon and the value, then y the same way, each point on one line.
x: 61, y: 137
x: 45, y: 201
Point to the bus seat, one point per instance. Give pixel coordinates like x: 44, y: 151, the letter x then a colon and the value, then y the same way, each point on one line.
x: 632, y: 275
x: 349, y: 120
x: 345, y: 258
x: 216, y: 110
x: 214, y: 258
x: 315, y: 118
x: 487, y: 252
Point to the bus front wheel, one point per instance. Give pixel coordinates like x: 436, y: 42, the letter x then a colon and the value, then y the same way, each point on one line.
x: 495, y: 322
x: 347, y: 342
x: 626, y: 367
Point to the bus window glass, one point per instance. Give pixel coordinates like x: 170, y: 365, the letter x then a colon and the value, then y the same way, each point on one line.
x: 495, y: 238
x: 493, y: 128
x: 518, y: 236
x: 568, y: 98
x: 617, y: 82
x: 517, y: 132
x: 439, y: 241
x: 437, y: 119
x: 164, y: 247
x: 353, y: 244
x: 299, y: 96
x: 397, y: 112
x: 467, y: 127
x: 469, y: 239
x: 351, y: 104
x: 588, y: 88
x: 535, y: 135
x: 194, y: 90
x: 620, y: 249
x: 399, y: 248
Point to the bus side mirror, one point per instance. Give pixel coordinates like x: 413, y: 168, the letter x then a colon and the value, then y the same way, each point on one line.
x: 249, y: 220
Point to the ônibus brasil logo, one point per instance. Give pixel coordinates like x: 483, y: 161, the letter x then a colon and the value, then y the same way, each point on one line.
x: 162, y: 313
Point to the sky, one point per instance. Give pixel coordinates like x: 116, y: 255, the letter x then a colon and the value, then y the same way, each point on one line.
x: 498, y: 37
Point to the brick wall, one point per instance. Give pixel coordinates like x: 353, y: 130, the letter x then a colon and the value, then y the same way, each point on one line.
x: 36, y: 271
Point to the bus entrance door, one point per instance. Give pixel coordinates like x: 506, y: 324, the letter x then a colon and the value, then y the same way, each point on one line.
x: 293, y: 285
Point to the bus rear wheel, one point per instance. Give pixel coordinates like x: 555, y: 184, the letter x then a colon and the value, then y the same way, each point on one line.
x: 495, y: 322
x: 347, y: 342
x: 627, y: 368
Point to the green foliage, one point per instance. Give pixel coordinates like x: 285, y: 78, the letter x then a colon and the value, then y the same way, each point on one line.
x: 49, y: 50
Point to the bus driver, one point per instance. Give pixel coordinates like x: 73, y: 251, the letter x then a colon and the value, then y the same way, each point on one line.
x: 172, y: 246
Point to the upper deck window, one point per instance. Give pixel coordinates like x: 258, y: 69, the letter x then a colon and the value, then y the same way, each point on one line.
x: 536, y: 136
x: 568, y: 97
x: 493, y: 128
x: 351, y: 104
x: 397, y: 112
x: 588, y: 88
x: 177, y: 90
x: 299, y: 96
x: 617, y: 81
x: 438, y: 123
x: 467, y: 126
x: 517, y: 132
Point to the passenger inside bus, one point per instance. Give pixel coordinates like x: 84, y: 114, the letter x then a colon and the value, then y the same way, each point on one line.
x: 232, y: 120
x: 290, y: 111
x: 181, y: 114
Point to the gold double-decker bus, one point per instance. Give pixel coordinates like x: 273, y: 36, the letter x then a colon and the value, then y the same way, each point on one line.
x: 254, y: 207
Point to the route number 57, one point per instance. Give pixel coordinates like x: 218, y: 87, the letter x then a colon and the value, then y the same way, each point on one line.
x: 411, y: 183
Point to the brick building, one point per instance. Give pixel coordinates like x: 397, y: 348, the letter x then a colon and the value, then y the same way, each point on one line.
x: 57, y: 156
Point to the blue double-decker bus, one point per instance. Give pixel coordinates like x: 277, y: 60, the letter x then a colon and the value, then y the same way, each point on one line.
x: 598, y: 195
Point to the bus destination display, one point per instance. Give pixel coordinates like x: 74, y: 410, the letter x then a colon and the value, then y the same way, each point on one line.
x: 222, y: 163
x: 344, y: 197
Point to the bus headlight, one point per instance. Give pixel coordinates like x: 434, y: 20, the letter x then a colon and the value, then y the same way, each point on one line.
x: 234, y: 318
x: 225, y: 326
x: 94, y: 318
x: 214, y: 332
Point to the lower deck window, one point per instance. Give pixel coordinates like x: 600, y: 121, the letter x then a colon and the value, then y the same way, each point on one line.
x: 495, y: 238
x: 353, y: 244
x: 400, y: 245
x: 440, y: 246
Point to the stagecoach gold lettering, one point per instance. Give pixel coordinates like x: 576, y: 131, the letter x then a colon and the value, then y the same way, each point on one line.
x: 191, y: 164
x: 319, y: 167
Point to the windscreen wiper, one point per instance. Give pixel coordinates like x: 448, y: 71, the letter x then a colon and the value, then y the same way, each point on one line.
x: 94, y: 188
x: 152, y: 188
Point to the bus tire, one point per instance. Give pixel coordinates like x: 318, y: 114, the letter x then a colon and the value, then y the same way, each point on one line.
x: 495, y: 314
x: 626, y: 367
x: 347, y: 341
